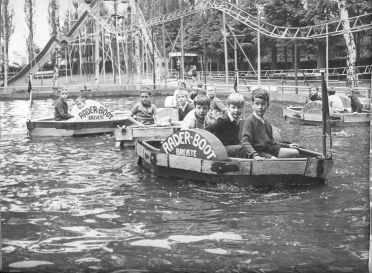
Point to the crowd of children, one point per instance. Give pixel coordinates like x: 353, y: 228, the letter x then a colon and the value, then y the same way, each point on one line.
x: 249, y: 138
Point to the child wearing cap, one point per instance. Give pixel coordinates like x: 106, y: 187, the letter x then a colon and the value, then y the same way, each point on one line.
x: 196, y: 117
x: 257, y: 132
x: 227, y: 126
x: 61, y: 107
x: 183, y: 103
x: 144, y: 111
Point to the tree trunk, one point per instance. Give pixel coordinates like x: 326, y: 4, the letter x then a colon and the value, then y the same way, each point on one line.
x: 321, y: 56
x: 358, y: 38
x: 274, y: 53
x: 29, y: 10
x: 53, y: 17
x: 7, y: 26
x: 285, y: 56
x: 1, y: 35
x: 350, y: 44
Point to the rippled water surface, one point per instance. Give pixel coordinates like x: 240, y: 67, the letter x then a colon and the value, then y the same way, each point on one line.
x: 78, y: 205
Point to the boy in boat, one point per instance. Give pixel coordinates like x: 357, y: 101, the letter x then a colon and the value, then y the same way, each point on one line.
x: 227, y: 127
x: 144, y: 111
x: 356, y: 105
x: 61, y: 107
x: 217, y: 105
x: 183, y: 103
x: 257, y: 132
x: 335, y: 103
x: 196, y: 118
x: 181, y: 85
x: 314, y: 94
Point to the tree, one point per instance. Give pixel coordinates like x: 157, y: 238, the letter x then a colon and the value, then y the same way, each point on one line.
x: 8, y: 28
x: 53, y: 17
x: 29, y: 12
x: 1, y: 37
x: 75, y: 3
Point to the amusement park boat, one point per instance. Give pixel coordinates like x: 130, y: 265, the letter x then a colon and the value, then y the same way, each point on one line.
x: 199, y: 155
x: 311, y: 114
x: 90, y: 124
x: 164, y: 126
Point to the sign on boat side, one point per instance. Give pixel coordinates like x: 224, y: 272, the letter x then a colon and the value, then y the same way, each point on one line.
x: 194, y: 143
x: 92, y: 110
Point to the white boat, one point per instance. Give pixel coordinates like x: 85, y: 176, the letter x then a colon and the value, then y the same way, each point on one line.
x: 165, y: 124
x: 52, y: 128
x: 311, y: 114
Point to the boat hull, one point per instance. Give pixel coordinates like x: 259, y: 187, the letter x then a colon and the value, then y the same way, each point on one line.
x: 53, y: 128
x: 268, y: 172
x: 295, y: 115
x: 126, y: 136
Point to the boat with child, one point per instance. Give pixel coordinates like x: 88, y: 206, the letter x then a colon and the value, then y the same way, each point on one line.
x: 311, y: 114
x: 164, y: 126
x: 197, y: 154
x: 229, y: 152
x: 92, y: 121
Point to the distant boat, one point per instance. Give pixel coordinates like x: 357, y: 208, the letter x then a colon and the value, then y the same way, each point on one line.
x: 311, y: 114
x: 199, y: 155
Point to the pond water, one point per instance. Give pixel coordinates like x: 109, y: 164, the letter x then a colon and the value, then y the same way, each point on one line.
x: 80, y: 205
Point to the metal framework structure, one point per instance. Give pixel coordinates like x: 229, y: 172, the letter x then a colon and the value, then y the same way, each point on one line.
x: 124, y: 44
x: 335, y: 27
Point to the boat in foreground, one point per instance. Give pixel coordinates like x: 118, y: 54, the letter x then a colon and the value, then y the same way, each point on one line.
x: 311, y: 114
x: 52, y: 128
x: 199, y: 155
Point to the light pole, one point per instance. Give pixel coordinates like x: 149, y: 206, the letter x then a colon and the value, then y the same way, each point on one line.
x: 225, y: 48
x: 153, y: 59
x: 204, y: 15
x: 182, y: 65
x: 259, y: 12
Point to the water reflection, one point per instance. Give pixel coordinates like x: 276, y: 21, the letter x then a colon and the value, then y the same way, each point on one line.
x: 77, y: 204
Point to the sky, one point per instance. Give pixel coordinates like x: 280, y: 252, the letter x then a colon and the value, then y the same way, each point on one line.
x: 17, y: 46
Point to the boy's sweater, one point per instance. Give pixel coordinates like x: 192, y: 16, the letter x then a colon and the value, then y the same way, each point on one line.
x: 257, y: 137
x: 226, y: 130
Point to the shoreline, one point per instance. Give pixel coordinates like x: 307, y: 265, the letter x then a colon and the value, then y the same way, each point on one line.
x: 277, y: 93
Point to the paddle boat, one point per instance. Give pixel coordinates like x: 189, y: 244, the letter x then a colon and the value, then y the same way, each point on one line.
x: 311, y: 114
x: 90, y: 120
x: 165, y: 124
x: 199, y: 155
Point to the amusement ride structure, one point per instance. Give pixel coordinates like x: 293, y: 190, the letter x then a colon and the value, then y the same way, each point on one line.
x: 104, y: 47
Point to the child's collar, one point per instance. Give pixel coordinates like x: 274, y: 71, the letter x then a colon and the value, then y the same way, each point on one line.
x: 259, y: 118
x: 231, y: 117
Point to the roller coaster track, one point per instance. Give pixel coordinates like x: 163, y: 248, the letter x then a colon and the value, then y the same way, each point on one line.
x: 146, y: 31
x: 335, y: 27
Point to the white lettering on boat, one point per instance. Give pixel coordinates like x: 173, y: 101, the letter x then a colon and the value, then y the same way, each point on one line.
x: 95, y: 113
x: 188, y: 143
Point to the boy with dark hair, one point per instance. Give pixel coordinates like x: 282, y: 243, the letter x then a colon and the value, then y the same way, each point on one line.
x: 183, y: 103
x: 196, y: 117
x: 144, y: 111
x: 257, y: 132
x: 61, y: 107
x: 227, y: 126
x: 314, y: 94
